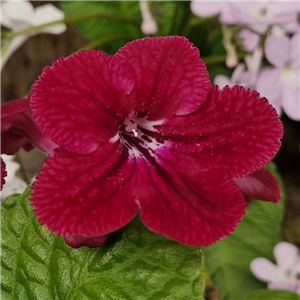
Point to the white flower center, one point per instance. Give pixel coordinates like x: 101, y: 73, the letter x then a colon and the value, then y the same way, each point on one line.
x: 140, y: 137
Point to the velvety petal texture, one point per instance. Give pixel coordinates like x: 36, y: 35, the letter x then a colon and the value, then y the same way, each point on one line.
x: 84, y: 93
x: 144, y: 132
x: 19, y: 129
x: 169, y: 76
x: 3, y: 173
x: 234, y: 130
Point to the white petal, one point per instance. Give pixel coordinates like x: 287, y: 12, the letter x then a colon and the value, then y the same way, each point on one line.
x: 264, y: 270
x: 18, y: 12
x: 277, y: 50
x: 294, y: 51
x: 49, y: 13
x: 249, y: 38
x: 286, y: 255
x: 286, y: 286
x: 222, y: 80
x: 207, y: 9
x: 291, y: 102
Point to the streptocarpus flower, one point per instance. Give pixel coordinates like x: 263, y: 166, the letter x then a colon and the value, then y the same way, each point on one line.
x: 257, y: 15
x: 285, y: 275
x: 280, y: 82
x: 19, y: 129
x: 144, y: 131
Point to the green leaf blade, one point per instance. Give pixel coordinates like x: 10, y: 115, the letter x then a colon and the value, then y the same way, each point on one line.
x: 134, y: 264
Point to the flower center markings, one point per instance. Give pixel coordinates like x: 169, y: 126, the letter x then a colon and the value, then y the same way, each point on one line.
x: 140, y: 137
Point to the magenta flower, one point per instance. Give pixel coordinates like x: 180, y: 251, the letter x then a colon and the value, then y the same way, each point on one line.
x: 144, y: 131
x: 3, y: 173
x: 19, y: 129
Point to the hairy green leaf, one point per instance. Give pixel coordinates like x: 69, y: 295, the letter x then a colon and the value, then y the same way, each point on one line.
x: 134, y: 263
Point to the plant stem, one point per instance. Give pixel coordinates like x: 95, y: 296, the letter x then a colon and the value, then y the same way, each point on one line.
x: 73, y: 19
x: 209, y: 60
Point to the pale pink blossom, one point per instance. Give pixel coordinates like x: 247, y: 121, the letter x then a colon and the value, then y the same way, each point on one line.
x: 284, y: 275
x: 241, y: 75
x: 280, y: 82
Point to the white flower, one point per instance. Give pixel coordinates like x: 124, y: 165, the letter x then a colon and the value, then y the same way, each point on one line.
x: 13, y: 184
x: 149, y: 25
x: 280, y: 82
x: 240, y: 75
x: 20, y: 15
x: 257, y: 15
x: 283, y: 276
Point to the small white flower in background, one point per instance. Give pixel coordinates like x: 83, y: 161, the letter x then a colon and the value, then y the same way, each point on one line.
x: 20, y: 15
x: 149, y: 25
x: 285, y: 275
x: 257, y: 15
x: 241, y: 75
x: 13, y: 184
x: 280, y: 82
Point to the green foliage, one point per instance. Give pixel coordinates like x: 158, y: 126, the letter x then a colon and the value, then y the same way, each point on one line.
x: 228, y: 260
x: 114, y: 23
x: 134, y: 264
x: 272, y: 295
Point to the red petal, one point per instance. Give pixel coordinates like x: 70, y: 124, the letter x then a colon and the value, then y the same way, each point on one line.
x: 170, y: 76
x: 76, y: 241
x: 18, y: 129
x: 260, y: 185
x: 3, y: 173
x: 234, y: 130
x: 194, y: 209
x: 90, y: 195
x: 79, y: 101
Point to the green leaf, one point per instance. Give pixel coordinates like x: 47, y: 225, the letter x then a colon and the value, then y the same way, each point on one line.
x: 111, y: 24
x: 228, y: 260
x: 134, y: 264
x: 272, y: 295
x: 118, y: 21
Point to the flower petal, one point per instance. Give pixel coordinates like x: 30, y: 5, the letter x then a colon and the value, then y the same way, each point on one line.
x: 277, y: 50
x: 170, y: 77
x: 18, y: 129
x: 286, y: 255
x: 264, y: 270
x: 206, y: 9
x: 91, y: 195
x: 188, y: 208
x: 85, y: 94
x: 76, y: 241
x: 17, y: 14
x: 3, y: 173
x: 234, y: 130
x: 49, y: 13
x: 260, y: 185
